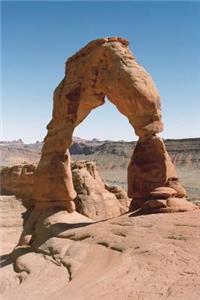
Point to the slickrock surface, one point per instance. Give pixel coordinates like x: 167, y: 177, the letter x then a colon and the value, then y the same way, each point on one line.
x: 11, y: 221
x: 144, y: 257
x: 11, y: 225
x: 94, y: 199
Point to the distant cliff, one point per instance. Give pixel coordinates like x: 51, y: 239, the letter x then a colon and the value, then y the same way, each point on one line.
x: 184, y: 152
x: 107, y: 154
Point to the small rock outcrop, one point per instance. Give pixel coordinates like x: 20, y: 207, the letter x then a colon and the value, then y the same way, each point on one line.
x: 18, y: 180
x: 95, y: 199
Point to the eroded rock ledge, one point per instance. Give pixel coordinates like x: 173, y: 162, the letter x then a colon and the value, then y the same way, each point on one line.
x: 95, y: 199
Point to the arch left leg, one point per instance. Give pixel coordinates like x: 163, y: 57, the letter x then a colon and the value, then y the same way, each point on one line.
x: 53, y: 184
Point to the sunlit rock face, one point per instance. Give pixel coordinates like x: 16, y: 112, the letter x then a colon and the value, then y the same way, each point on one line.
x: 18, y: 180
x: 104, y: 67
x: 95, y: 199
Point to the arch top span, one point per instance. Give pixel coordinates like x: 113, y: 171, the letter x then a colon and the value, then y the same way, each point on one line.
x: 94, y: 44
x: 105, y: 67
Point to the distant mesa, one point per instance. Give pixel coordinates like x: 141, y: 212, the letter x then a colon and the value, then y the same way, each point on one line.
x: 183, y: 152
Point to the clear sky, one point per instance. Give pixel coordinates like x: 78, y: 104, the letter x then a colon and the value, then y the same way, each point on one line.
x: 38, y: 37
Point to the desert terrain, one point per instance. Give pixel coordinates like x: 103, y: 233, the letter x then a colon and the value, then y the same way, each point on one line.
x: 126, y: 257
x: 113, y: 157
x: 90, y: 256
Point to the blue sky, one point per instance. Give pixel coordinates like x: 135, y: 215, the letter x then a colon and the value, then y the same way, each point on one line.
x: 38, y: 37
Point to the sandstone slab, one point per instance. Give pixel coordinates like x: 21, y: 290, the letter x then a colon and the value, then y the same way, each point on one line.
x: 107, y: 260
x: 163, y: 192
x: 170, y: 205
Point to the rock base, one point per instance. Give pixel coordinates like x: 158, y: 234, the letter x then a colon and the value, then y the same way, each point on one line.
x: 169, y: 205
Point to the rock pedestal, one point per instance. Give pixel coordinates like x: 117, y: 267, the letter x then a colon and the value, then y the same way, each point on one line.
x: 150, y: 167
x: 153, y: 184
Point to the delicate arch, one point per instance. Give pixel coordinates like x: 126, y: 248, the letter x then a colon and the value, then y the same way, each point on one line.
x: 105, y: 67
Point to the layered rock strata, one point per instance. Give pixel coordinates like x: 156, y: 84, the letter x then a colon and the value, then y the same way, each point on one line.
x: 18, y: 180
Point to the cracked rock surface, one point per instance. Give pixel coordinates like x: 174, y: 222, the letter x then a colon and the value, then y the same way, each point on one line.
x: 128, y: 257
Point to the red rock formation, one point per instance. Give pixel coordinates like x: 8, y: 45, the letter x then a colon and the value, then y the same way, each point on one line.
x: 105, y: 67
x: 18, y: 180
x: 94, y: 199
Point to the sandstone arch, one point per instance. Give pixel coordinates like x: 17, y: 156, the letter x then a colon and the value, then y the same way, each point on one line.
x: 105, y: 67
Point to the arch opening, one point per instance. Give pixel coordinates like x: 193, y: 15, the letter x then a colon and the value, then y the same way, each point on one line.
x: 109, y: 142
x: 105, y: 123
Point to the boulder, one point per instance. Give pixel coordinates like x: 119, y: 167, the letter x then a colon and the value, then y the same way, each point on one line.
x: 95, y: 199
x: 173, y: 182
x: 170, y: 205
